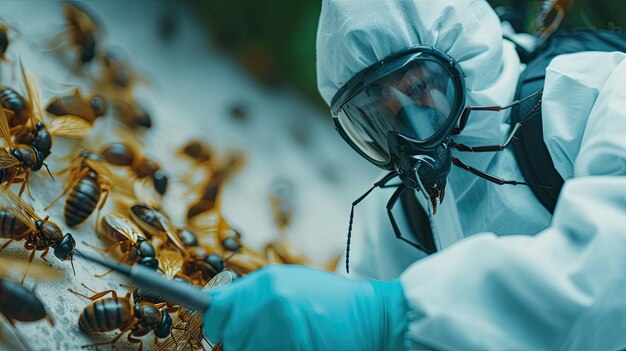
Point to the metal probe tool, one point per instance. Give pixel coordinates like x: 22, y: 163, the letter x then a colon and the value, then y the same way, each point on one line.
x: 177, y: 292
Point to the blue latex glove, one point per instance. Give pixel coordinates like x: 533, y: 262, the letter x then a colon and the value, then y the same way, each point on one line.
x: 284, y: 307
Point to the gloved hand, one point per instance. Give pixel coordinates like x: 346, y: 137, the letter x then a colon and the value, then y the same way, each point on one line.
x: 282, y: 307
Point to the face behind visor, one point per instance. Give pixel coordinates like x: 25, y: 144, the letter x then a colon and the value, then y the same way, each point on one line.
x: 400, y: 112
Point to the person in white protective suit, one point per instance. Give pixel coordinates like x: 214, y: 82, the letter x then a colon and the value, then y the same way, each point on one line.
x: 507, y: 274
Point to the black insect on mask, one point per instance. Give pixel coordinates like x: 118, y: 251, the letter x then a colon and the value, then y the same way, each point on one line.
x: 400, y: 114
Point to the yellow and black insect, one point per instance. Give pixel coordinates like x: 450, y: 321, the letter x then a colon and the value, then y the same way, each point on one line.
x: 20, y: 222
x: 39, y: 134
x: 82, y: 34
x: 88, y: 108
x: 171, y: 266
x: 132, y: 114
x: 127, y: 154
x: 157, y: 226
x: 18, y: 159
x: 187, y: 332
x: 120, y: 313
x: 88, y: 187
x: 133, y: 243
x: 14, y: 102
x: 219, y: 174
x: 118, y: 79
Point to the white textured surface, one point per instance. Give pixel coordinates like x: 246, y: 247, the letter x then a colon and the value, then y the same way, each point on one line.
x: 190, y: 95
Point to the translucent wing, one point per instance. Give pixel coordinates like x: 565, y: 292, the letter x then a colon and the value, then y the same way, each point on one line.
x: 221, y: 279
x: 5, y: 132
x: 123, y: 227
x: 170, y: 262
x: 35, y: 114
x: 172, y: 233
x: 18, y: 207
x: 186, y: 334
x: 6, y: 160
x: 246, y: 261
x: 69, y: 126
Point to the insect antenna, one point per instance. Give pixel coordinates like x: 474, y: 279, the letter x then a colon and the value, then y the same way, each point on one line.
x: 232, y: 254
x: 50, y: 173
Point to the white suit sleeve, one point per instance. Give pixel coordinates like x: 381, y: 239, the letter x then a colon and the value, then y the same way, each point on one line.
x: 564, y: 288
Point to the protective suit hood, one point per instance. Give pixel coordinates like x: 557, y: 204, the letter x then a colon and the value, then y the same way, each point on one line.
x: 354, y: 34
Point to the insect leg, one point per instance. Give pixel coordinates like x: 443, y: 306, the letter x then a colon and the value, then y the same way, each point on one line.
x: 396, y: 230
x: 466, y: 112
x: 43, y: 256
x: 379, y: 183
x: 6, y: 244
x: 30, y: 260
x: 493, y: 148
x: 135, y: 341
x: 103, y: 199
x: 25, y: 185
x: 96, y: 296
x: 492, y: 178
x: 103, y: 274
x: 115, y: 339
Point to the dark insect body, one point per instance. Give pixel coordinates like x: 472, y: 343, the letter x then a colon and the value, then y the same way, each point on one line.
x: 87, y: 189
x: 14, y: 102
x: 75, y: 104
x: 116, y: 313
x: 125, y: 155
x: 17, y: 303
x: 4, y: 41
x: 82, y: 33
x: 34, y: 132
x: 134, y: 245
x: 132, y: 115
x: 20, y: 222
x: 157, y: 226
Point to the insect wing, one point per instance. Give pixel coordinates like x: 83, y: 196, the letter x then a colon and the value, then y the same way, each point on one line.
x: 5, y: 132
x: 170, y: 262
x: 35, y: 114
x: 221, y: 279
x: 172, y: 233
x: 69, y: 126
x: 6, y: 160
x: 18, y: 207
x: 100, y: 168
x: 123, y: 227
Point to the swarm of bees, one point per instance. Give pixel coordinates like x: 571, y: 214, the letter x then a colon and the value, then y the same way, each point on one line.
x: 206, y: 250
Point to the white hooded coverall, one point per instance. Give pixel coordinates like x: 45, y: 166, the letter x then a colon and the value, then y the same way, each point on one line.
x: 508, y: 276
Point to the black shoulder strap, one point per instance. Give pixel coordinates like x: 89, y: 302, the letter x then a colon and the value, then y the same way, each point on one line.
x: 530, y: 150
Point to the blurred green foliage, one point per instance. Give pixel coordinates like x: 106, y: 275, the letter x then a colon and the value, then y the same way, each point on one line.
x: 275, y: 40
